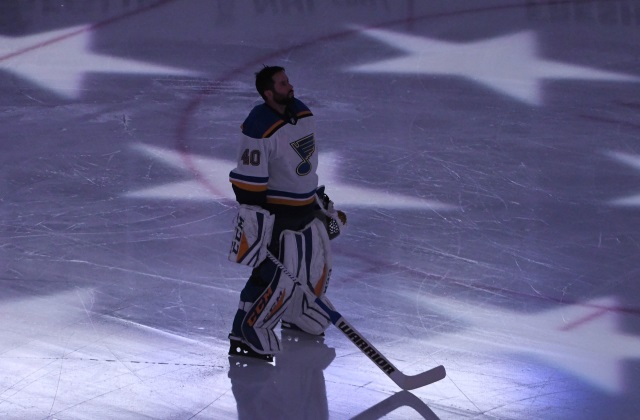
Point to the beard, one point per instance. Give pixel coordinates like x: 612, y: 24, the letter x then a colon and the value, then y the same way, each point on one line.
x: 283, y: 99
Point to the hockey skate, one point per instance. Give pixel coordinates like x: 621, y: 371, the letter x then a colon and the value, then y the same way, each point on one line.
x: 237, y: 347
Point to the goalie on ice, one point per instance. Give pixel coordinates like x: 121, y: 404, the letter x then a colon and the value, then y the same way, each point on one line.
x: 282, y: 210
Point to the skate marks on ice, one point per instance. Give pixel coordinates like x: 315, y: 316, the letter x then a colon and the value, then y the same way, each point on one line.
x: 398, y: 400
x: 583, y: 339
x: 508, y: 65
x: 68, y: 57
x: 53, y: 343
x: 294, y: 385
x: 632, y: 161
x: 211, y: 178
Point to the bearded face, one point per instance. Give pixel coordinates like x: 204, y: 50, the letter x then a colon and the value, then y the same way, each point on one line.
x: 283, y: 99
x: 282, y: 89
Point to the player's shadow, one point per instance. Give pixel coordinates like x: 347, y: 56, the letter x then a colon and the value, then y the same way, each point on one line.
x: 294, y: 387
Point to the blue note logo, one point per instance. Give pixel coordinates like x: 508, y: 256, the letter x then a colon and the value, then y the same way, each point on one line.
x: 304, y: 147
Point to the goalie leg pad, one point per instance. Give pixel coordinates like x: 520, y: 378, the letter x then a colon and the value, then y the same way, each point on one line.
x: 307, y: 254
x: 253, y: 228
x: 263, y: 314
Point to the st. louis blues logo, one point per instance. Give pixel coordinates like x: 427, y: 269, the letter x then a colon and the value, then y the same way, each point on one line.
x: 304, y: 147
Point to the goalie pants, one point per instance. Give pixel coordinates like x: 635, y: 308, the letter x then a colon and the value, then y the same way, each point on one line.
x: 302, y: 245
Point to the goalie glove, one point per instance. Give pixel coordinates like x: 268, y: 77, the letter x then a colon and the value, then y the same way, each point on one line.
x: 336, y: 220
x: 252, y: 234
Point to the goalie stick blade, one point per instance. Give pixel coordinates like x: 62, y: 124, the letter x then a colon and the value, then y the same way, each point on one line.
x: 408, y: 383
x: 403, y: 381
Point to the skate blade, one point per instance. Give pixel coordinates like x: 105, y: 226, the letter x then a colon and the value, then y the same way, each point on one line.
x: 240, y: 349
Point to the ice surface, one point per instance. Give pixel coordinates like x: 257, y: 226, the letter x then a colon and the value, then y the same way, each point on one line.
x: 486, y: 154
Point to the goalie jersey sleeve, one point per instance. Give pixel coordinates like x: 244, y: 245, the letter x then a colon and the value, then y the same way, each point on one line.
x: 277, y: 159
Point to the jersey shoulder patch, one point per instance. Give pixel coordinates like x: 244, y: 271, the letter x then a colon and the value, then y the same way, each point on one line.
x: 300, y: 109
x: 263, y: 121
x: 260, y: 121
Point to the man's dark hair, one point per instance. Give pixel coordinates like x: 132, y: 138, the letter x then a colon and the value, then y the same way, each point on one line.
x: 264, y: 79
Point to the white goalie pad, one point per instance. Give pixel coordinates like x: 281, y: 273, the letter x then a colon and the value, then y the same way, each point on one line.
x: 264, y: 314
x: 307, y: 255
x: 253, y: 228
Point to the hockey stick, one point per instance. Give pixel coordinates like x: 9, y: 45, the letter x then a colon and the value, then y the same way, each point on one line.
x: 406, y: 382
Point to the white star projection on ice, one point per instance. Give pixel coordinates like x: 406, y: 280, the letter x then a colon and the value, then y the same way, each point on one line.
x: 509, y: 64
x: 52, y: 343
x: 582, y: 339
x: 58, y: 60
x: 634, y: 162
x: 212, y: 183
